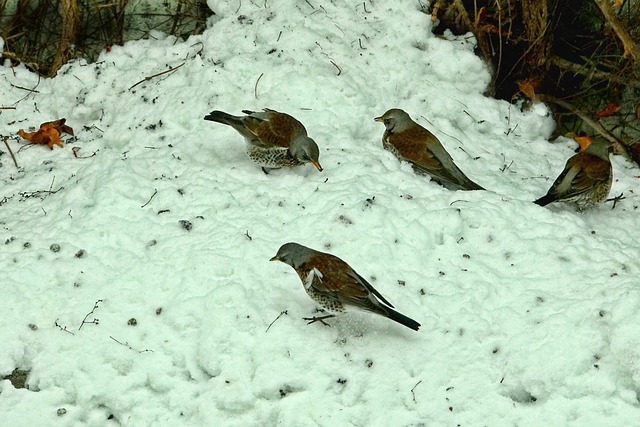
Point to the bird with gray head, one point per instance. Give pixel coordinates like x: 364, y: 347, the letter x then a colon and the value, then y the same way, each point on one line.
x: 274, y: 139
x: 586, y: 178
x: 414, y: 144
x: 335, y: 286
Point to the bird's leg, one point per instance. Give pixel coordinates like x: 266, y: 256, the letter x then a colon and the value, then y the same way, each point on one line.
x: 320, y: 319
x: 265, y: 170
x: 615, y: 200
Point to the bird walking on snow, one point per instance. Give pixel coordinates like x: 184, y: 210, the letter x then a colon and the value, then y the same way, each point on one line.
x: 274, y: 139
x: 335, y: 286
x: 586, y: 178
x: 412, y: 143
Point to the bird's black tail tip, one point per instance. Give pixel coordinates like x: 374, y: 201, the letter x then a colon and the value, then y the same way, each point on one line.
x: 544, y: 200
x: 403, y: 320
x: 219, y: 116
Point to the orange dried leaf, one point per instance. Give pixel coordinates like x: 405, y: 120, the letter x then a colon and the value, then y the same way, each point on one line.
x: 583, y: 141
x: 528, y: 88
x: 59, y: 125
x: 610, y: 109
x: 48, y: 134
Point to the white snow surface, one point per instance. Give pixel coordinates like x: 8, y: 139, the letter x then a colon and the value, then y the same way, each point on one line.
x: 530, y: 316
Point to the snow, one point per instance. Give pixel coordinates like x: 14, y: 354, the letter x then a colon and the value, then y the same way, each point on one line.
x: 529, y: 315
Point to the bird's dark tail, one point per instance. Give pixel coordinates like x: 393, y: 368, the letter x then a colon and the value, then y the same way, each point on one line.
x: 222, y: 117
x: 402, y: 319
x: 545, y: 200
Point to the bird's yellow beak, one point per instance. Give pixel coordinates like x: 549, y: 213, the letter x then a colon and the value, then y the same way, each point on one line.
x: 275, y: 258
x: 379, y: 119
x: 317, y: 165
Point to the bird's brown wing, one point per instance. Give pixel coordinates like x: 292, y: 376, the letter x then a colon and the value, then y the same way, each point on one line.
x: 341, y: 281
x: 411, y: 146
x: 580, y: 174
x: 273, y: 128
x: 428, y: 156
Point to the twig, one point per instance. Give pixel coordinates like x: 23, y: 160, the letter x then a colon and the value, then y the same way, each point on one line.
x: 591, y: 71
x: 336, y: 65
x: 585, y: 118
x: 25, y: 88
x: 94, y: 321
x: 63, y: 329
x: 620, y: 29
x: 246, y: 233
x: 146, y: 79
x: 274, y: 320
x: 155, y: 191
x: 6, y: 138
x: 255, y: 88
x: 126, y: 344
x: 412, y: 393
x: 30, y: 91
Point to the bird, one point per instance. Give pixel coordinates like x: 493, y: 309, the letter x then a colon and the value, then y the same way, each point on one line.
x: 586, y: 178
x: 412, y: 143
x: 274, y: 139
x: 335, y: 286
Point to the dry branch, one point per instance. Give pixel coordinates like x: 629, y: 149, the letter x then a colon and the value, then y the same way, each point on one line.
x: 620, y: 29
x: 589, y: 71
x: 597, y: 127
x: 146, y: 79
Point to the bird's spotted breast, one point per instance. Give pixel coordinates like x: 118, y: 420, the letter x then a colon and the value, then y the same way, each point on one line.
x: 272, y: 157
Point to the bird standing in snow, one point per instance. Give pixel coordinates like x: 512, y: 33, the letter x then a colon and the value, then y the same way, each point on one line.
x: 274, y: 139
x: 412, y: 143
x: 335, y: 286
x: 586, y: 178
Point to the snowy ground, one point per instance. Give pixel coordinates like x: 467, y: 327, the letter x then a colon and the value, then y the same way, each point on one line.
x: 530, y: 315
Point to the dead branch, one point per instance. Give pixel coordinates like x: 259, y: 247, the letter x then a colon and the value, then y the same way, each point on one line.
x: 146, y: 79
x: 6, y: 138
x: 255, y: 88
x: 592, y: 72
x: 620, y: 147
x: 620, y: 29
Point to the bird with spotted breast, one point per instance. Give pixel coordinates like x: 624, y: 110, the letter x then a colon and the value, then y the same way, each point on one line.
x: 335, y: 286
x: 274, y: 139
x: 586, y: 178
x: 414, y: 144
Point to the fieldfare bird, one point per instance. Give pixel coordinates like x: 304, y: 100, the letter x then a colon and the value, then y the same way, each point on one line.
x: 586, y: 178
x: 274, y: 139
x: 335, y: 286
x: 412, y: 143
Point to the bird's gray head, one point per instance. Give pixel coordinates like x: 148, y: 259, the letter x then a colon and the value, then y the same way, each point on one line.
x: 293, y: 254
x: 599, y: 147
x: 395, y: 120
x: 305, y: 150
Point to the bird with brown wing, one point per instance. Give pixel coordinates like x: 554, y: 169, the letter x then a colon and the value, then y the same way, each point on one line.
x: 274, y: 139
x: 586, y: 178
x: 414, y: 144
x: 335, y: 286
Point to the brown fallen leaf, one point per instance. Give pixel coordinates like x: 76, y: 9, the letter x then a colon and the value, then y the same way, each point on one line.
x: 609, y: 110
x: 48, y: 134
